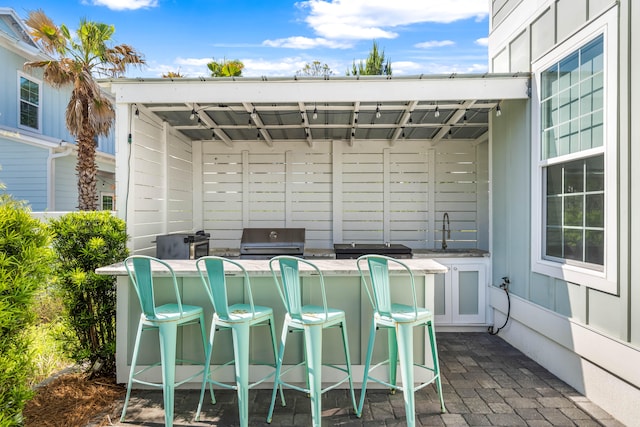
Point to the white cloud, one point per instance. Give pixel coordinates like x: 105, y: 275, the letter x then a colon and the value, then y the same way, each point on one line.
x: 406, y: 68
x: 276, y: 67
x: 306, y: 43
x: 126, y: 4
x: 484, y: 41
x: 193, y: 61
x: 434, y: 43
x: 367, y: 19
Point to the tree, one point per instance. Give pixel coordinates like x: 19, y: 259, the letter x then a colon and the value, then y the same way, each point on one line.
x: 78, y: 60
x: 374, y: 66
x: 172, y: 75
x: 315, y: 69
x: 226, y: 68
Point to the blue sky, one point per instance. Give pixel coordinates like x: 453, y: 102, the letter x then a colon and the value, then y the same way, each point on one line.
x: 278, y: 37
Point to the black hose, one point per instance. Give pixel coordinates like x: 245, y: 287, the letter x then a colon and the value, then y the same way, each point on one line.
x: 505, y: 287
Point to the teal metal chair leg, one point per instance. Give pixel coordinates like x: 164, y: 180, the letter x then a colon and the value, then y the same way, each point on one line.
x: 277, y: 381
x: 367, y: 364
x: 240, y: 335
x: 313, y: 348
x: 345, y: 343
x: 136, y: 347
x: 405, y: 350
x: 436, y: 365
x: 168, y: 337
x: 393, y: 358
x: 272, y: 329
x: 207, y: 373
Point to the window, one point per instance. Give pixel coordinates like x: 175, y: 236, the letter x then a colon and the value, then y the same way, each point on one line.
x: 107, y: 202
x: 574, y: 188
x: 29, y: 102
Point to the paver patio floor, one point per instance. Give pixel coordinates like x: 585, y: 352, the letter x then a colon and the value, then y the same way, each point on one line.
x: 486, y: 382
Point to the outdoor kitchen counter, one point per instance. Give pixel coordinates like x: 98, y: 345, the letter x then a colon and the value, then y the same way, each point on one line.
x: 343, y: 288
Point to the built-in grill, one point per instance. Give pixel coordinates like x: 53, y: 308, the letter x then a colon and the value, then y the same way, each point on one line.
x: 355, y: 250
x: 182, y: 245
x: 265, y: 243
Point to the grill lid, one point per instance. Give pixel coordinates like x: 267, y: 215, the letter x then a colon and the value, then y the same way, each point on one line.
x: 272, y: 241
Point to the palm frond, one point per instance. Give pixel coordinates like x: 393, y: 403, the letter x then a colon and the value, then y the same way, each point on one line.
x: 46, y: 33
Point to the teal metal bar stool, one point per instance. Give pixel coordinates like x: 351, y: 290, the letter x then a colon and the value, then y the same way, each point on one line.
x: 311, y: 320
x: 165, y: 319
x: 399, y: 320
x: 239, y: 318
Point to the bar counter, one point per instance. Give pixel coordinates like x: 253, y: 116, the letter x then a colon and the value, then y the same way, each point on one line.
x: 343, y: 289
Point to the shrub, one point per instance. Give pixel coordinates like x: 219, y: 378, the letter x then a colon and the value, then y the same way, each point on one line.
x: 84, y: 241
x: 25, y: 266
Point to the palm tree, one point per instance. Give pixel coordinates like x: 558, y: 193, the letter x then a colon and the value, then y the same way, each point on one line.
x: 78, y: 60
x: 226, y: 68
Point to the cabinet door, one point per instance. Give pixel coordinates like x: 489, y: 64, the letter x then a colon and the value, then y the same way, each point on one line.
x: 442, y: 297
x: 468, y: 293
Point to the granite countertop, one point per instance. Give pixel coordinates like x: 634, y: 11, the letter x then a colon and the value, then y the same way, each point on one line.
x: 329, y: 267
x: 450, y: 253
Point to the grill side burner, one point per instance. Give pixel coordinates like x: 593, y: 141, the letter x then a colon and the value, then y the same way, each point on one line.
x: 265, y: 243
x: 355, y: 250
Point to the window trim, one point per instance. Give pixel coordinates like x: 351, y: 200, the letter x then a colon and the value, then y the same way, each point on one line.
x: 108, y: 194
x: 604, y: 279
x: 22, y: 75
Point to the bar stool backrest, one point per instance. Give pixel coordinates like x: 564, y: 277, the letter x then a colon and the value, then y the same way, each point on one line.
x: 378, y: 266
x: 139, y: 269
x: 214, y: 279
x: 290, y: 289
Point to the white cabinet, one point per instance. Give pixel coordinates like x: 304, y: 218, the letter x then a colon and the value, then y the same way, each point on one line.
x: 460, y: 294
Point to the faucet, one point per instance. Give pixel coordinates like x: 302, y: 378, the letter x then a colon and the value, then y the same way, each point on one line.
x: 446, y: 230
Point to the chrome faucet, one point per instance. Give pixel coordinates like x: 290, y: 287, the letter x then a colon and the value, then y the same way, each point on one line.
x: 446, y: 230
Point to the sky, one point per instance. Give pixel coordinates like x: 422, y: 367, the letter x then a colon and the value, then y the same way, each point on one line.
x: 276, y: 38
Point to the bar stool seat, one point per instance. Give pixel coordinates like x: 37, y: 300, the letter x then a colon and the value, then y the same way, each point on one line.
x: 166, y: 319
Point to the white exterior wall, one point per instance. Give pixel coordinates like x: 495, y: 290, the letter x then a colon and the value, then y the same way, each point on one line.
x: 589, y: 338
x: 368, y: 192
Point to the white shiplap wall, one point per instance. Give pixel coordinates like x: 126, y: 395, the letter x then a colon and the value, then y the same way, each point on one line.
x: 368, y: 192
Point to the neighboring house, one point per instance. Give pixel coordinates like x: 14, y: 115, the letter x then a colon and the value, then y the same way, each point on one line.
x: 37, y: 153
x: 566, y: 192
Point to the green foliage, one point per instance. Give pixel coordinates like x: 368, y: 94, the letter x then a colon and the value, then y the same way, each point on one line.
x: 226, y: 68
x: 84, y: 241
x: 374, y: 66
x: 315, y: 69
x: 25, y: 266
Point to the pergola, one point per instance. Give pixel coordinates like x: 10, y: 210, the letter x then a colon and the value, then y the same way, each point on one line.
x: 273, y: 110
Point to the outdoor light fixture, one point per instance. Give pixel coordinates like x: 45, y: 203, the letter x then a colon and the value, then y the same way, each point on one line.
x: 258, y: 136
x: 449, y: 133
x: 254, y: 113
x: 302, y: 117
x: 437, y: 113
x: 137, y: 112
x: 410, y: 118
x: 403, y: 133
x: 213, y: 134
x: 378, y: 113
x: 498, y: 111
x: 315, y: 112
x: 193, y: 114
x: 355, y: 117
x: 464, y: 118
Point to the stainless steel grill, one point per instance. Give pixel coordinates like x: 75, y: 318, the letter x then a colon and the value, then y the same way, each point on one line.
x: 265, y: 243
x: 355, y: 250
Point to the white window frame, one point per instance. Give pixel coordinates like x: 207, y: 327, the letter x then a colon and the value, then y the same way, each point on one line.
x: 604, y: 279
x: 113, y: 199
x: 19, y: 101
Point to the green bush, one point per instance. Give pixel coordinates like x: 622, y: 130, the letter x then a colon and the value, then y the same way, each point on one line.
x: 84, y: 241
x: 25, y: 267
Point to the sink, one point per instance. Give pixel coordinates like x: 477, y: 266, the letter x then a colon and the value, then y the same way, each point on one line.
x: 449, y: 252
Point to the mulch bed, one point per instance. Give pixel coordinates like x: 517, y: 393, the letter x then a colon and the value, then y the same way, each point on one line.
x: 74, y: 400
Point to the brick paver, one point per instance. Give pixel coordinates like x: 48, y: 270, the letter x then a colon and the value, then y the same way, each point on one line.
x: 486, y: 382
